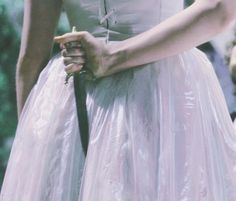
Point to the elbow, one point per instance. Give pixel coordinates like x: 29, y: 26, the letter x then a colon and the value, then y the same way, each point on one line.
x: 226, y: 12
x: 31, y: 57
x: 27, y: 64
x: 24, y: 63
x: 23, y: 66
x: 222, y: 13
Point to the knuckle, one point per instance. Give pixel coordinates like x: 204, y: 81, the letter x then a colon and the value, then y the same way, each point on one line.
x: 64, y: 53
x: 79, y: 52
x: 67, y: 60
x: 78, y: 60
x: 74, y: 51
x: 75, y: 68
x: 84, y: 33
x: 85, y: 36
x: 62, y: 46
x: 65, y: 63
x: 69, y: 68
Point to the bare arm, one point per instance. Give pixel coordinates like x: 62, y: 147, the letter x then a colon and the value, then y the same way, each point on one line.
x: 40, y: 20
x: 189, y: 28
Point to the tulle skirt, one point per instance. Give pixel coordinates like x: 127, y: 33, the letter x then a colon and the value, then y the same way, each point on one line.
x: 158, y: 132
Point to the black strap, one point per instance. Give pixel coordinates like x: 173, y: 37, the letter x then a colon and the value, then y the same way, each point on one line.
x: 80, y: 97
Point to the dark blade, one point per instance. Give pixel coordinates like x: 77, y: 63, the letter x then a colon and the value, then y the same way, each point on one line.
x: 80, y: 97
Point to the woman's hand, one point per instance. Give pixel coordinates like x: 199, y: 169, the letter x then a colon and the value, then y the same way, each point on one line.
x: 83, y: 50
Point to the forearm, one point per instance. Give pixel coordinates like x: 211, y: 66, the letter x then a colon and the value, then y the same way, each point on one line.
x: 40, y: 20
x: 189, y: 28
x: 26, y: 76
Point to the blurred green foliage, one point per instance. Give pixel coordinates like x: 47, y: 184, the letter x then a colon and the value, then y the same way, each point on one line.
x: 9, y: 46
x: 188, y: 2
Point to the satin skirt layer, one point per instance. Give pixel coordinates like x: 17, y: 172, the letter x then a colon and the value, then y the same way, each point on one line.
x: 158, y: 132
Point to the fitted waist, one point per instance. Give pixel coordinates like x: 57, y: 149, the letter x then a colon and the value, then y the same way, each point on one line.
x: 106, y: 40
x: 114, y: 30
x: 118, y: 20
x: 111, y: 35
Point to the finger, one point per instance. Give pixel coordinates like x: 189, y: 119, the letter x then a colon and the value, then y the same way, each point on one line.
x: 73, y: 68
x: 69, y: 37
x: 62, y: 46
x: 73, y: 44
x: 70, y: 45
x: 73, y: 60
x: 74, y: 52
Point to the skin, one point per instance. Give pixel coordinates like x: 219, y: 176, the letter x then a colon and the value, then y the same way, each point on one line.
x: 175, y: 35
x: 40, y: 20
x: 232, y: 65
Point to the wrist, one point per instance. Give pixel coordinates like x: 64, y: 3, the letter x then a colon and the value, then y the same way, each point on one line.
x: 115, y: 58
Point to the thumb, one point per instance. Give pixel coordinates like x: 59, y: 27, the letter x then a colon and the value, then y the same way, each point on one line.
x: 68, y: 37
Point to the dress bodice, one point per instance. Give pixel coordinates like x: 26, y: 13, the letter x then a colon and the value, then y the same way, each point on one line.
x: 119, y: 19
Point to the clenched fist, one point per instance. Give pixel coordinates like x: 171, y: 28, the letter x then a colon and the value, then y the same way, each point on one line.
x: 81, y: 50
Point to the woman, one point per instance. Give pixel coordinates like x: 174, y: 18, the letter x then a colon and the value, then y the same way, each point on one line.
x: 158, y: 130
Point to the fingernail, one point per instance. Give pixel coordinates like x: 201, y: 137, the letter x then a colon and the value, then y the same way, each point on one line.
x: 68, y: 68
x: 57, y: 38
